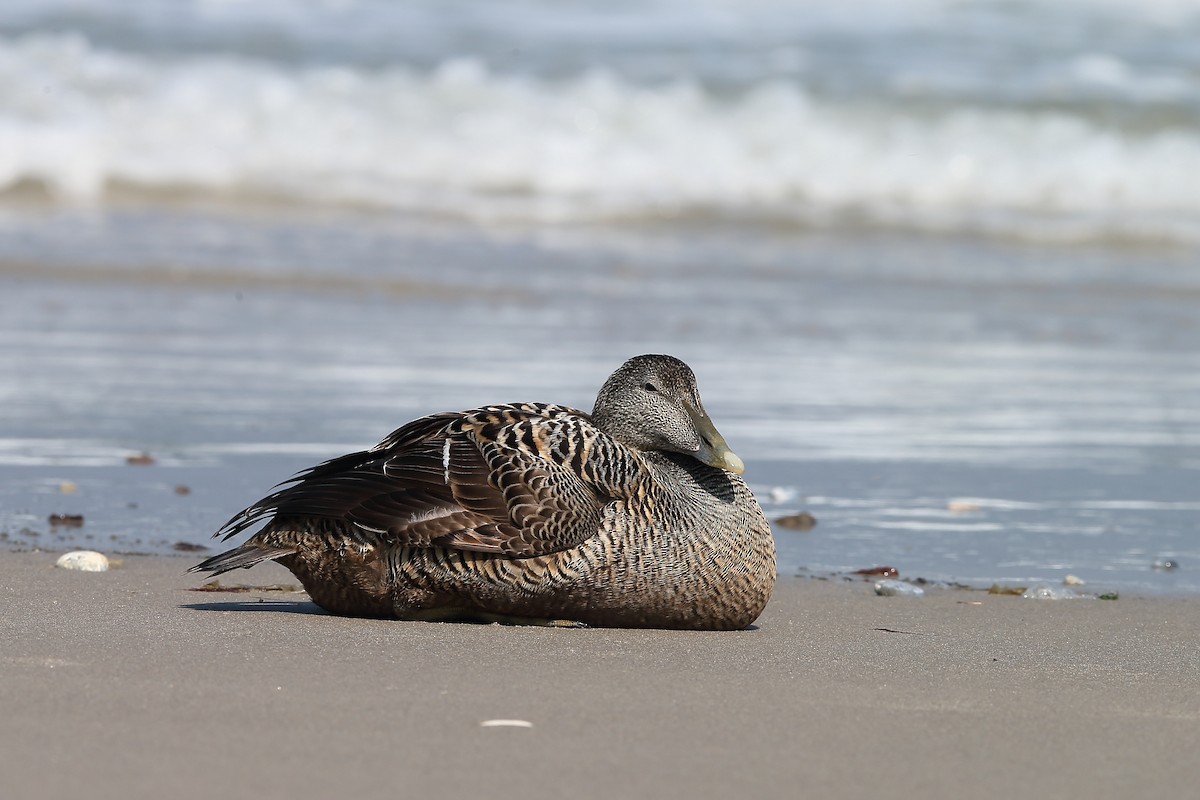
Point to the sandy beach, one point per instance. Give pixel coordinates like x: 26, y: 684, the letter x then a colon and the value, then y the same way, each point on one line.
x: 127, y: 684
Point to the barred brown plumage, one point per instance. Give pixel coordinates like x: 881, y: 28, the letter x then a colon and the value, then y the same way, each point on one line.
x: 631, y: 516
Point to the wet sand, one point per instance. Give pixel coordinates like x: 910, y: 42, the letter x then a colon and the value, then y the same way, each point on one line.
x: 126, y: 684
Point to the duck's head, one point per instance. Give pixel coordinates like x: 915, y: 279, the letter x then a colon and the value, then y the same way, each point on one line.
x: 652, y: 403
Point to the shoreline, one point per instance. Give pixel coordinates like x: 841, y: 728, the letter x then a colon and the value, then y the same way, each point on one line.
x: 126, y: 683
x: 896, y: 392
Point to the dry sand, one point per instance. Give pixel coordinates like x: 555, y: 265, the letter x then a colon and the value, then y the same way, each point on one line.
x: 126, y: 685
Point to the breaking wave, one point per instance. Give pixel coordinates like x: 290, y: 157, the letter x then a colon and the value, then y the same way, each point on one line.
x: 84, y: 125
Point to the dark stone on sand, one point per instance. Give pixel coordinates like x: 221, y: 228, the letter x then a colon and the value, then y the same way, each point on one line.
x: 188, y: 547
x: 66, y: 520
x: 885, y: 572
x: 140, y: 459
x: 803, y: 521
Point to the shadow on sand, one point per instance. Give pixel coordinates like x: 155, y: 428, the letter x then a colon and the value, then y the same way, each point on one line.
x: 286, y: 606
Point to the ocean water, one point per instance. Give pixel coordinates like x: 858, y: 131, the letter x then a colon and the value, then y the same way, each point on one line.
x: 1043, y: 120
x: 936, y: 264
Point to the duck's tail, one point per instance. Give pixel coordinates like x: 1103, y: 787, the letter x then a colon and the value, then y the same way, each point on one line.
x: 243, y: 557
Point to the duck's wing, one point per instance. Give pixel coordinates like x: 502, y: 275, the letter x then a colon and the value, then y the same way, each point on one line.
x: 519, y: 479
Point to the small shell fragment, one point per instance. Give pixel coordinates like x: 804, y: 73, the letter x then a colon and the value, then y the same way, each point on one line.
x: 506, y: 723
x: 67, y: 487
x: 894, y: 588
x: 1073, y: 580
x: 84, y: 561
x: 963, y: 507
x: 1044, y: 591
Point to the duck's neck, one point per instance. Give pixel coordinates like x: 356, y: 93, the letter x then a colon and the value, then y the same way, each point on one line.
x: 685, y: 479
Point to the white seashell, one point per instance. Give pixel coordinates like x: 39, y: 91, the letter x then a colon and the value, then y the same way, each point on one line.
x: 1073, y: 580
x: 506, y: 723
x: 84, y: 561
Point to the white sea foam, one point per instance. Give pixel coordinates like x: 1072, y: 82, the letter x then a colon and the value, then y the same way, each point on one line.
x: 82, y: 122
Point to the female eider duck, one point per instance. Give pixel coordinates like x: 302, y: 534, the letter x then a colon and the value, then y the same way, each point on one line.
x: 633, y: 516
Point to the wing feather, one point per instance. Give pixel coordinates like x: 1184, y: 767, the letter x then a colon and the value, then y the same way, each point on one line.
x: 500, y: 479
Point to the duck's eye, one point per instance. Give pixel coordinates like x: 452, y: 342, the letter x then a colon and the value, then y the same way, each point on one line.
x: 649, y: 387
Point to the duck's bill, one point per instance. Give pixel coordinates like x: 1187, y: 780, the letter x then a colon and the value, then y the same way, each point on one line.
x: 713, y: 450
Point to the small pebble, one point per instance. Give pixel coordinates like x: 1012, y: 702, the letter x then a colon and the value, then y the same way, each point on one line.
x: 1166, y: 564
x: 506, y: 723
x: 66, y: 520
x: 140, y: 459
x: 183, y: 489
x: 963, y: 506
x: 803, y: 521
x: 894, y: 588
x: 84, y: 561
x: 1073, y: 580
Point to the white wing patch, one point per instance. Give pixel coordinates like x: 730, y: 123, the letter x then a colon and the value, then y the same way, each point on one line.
x: 433, y: 513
